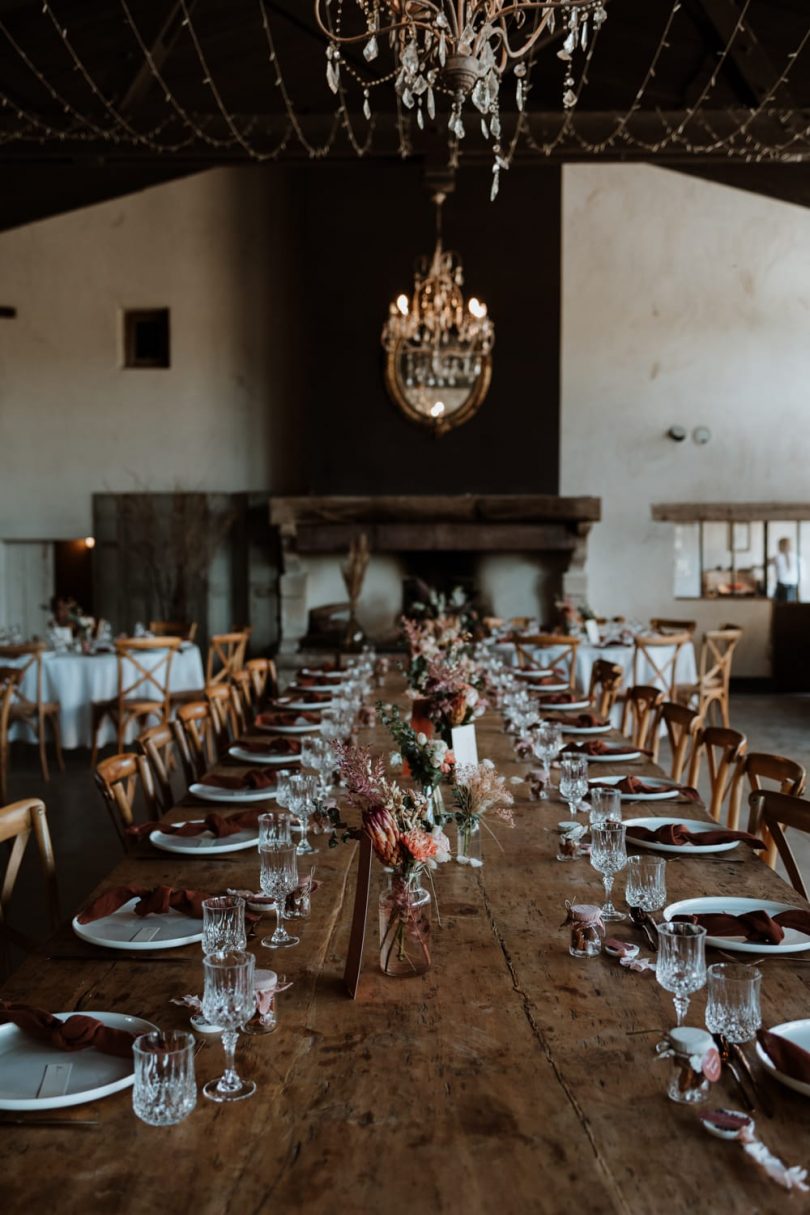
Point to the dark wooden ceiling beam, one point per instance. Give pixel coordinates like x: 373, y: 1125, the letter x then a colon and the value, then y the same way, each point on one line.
x: 160, y: 48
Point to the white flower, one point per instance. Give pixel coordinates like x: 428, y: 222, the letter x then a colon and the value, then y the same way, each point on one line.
x: 442, y: 846
x: 472, y: 697
x: 438, y: 750
x: 395, y: 759
x: 421, y: 739
x: 487, y: 763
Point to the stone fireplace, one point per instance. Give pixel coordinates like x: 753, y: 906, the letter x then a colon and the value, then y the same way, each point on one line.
x: 521, y: 550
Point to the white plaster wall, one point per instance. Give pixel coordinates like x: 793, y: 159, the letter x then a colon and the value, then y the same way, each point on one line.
x: 72, y: 421
x: 683, y: 302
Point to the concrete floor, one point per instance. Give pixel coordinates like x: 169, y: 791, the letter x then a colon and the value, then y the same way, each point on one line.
x: 87, y: 847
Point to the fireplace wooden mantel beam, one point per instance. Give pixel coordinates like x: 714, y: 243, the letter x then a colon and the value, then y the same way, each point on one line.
x: 471, y: 510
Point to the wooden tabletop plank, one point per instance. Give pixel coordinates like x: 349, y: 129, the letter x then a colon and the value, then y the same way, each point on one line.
x: 507, y: 1079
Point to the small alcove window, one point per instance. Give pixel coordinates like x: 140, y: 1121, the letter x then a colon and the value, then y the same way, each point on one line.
x: 146, y: 337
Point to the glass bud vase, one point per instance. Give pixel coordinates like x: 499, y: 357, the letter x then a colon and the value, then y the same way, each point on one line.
x: 468, y: 843
x: 435, y: 805
x: 405, y: 912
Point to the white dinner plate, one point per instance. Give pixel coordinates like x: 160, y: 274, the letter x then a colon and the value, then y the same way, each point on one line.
x: 539, y: 673
x: 262, y: 757
x: 328, y: 675
x: 305, y: 729
x: 620, y: 757
x: 92, y: 1075
x: 205, y: 842
x: 587, y: 729
x: 313, y: 687
x: 546, y: 689
x: 128, y: 931
x: 666, y: 789
x: 239, y: 797
x: 797, y: 1032
x: 793, y: 941
x: 304, y: 706
x: 692, y: 824
x: 577, y: 705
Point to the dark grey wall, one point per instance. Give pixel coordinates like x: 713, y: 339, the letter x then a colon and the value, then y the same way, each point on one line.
x: 357, y: 230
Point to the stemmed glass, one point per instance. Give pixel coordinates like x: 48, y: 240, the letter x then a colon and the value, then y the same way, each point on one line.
x: 606, y: 806
x: 546, y: 744
x: 278, y: 877
x: 229, y: 1000
x: 680, y: 965
x: 608, y: 857
x: 573, y: 779
x: 732, y: 1008
x: 646, y: 885
x: 303, y: 791
x: 223, y: 931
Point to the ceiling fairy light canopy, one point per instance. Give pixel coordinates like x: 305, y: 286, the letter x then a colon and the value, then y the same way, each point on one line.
x: 461, y: 48
x: 438, y: 345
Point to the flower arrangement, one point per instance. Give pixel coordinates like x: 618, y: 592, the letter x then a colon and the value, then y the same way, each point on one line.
x: 430, y: 760
x: 433, y: 605
x: 449, y: 694
x: 478, y: 790
x: 429, y: 641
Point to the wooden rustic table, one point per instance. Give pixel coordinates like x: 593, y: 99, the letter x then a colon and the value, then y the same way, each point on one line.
x: 508, y: 1079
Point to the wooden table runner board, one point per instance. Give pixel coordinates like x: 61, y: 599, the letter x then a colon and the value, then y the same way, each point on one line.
x: 505, y: 1080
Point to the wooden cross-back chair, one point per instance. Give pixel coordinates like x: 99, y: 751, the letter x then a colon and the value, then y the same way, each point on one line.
x: 640, y: 716
x: 196, y: 732
x: 227, y: 712
x: 143, y: 686
x: 226, y: 655
x: 18, y: 822
x: 755, y: 768
x: 186, y: 630
x: 566, y: 660
x: 263, y: 679
x: 770, y: 815
x: 662, y: 624
x: 714, y: 674
x: 159, y: 744
x: 724, y: 750
x: 655, y: 660
x: 605, y: 685
x: 9, y: 677
x: 37, y: 713
x: 119, y: 779
x: 683, y: 728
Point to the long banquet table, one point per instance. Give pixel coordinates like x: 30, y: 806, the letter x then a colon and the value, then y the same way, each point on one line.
x: 511, y: 1078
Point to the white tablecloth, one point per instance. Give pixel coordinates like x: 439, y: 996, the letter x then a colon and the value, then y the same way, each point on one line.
x: 76, y: 680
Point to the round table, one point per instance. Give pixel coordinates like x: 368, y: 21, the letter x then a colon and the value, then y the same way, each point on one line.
x: 75, y: 681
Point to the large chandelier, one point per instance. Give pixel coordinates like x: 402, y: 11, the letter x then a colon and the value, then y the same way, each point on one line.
x: 461, y: 48
x: 438, y: 344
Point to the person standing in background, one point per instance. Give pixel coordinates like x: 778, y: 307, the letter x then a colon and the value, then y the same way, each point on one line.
x: 786, y: 567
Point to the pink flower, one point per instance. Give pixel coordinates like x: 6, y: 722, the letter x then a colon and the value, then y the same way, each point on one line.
x: 380, y: 826
x: 448, y: 763
x: 421, y: 846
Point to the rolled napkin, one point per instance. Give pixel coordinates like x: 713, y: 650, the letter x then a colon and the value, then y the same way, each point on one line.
x: 219, y: 825
x: 676, y: 834
x: 151, y: 901
x: 286, y: 717
x: 308, y: 697
x: 78, y: 1032
x: 544, y: 680
x: 756, y: 926
x: 596, y: 746
x: 254, y: 778
x: 562, y: 698
x: 273, y: 746
x: 582, y: 721
x: 636, y: 784
x: 786, y: 1056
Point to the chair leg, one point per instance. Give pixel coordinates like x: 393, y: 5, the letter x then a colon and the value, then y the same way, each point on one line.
x: 43, y: 747
x: 57, y: 741
x: 98, y: 721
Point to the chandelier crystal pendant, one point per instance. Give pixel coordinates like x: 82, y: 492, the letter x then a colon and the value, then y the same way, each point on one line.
x: 438, y: 345
x: 460, y: 48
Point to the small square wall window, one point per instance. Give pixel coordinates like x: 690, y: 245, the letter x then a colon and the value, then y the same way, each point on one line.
x: 146, y: 337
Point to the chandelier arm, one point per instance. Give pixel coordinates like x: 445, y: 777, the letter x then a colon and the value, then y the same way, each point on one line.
x: 410, y: 23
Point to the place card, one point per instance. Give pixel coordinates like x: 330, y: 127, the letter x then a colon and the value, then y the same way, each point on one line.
x: 55, y: 1079
x: 146, y: 934
x: 464, y: 744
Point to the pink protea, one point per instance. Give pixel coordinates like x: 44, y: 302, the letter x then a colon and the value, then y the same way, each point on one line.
x: 380, y: 826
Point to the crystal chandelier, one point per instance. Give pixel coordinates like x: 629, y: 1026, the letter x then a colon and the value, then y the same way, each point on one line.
x: 438, y: 345
x: 460, y: 48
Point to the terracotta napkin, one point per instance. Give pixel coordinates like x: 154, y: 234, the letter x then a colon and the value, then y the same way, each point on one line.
x: 756, y: 926
x: 636, y: 784
x: 326, y: 668
x: 677, y: 834
x: 254, y: 778
x: 562, y: 698
x: 221, y: 825
x: 594, y: 746
x: 583, y: 721
x: 787, y: 1057
x: 310, y: 698
x: 286, y: 717
x: 273, y: 746
x: 151, y: 901
x: 76, y: 1033
x: 554, y: 677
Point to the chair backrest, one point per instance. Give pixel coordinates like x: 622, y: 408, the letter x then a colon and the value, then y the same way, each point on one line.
x: 119, y: 778
x: 770, y: 814
x: 655, y: 659
x: 683, y: 727
x: 640, y: 716
x: 660, y: 624
x: 757, y: 767
x: 142, y: 679
x: 567, y: 659
x: 9, y: 678
x: 195, y: 722
x: 227, y: 712
x: 174, y: 628
x: 28, y: 655
x: 724, y: 750
x: 226, y: 655
x: 716, y: 653
x: 605, y: 685
x: 17, y: 822
x: 159, y: 745
x: 263, y: 678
